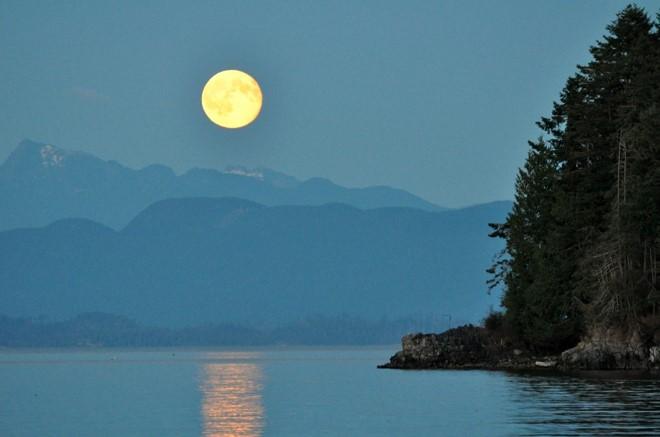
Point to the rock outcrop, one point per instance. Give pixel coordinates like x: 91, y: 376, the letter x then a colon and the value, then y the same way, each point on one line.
x: 654, y: 357
x: 472, y: 347
x: 608, y: 349
x: 466, y: 347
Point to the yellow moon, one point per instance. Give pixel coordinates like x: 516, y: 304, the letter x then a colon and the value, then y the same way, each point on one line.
x: 232, y: 99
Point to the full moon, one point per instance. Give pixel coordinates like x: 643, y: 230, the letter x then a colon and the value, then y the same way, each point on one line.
x: 231, y: 99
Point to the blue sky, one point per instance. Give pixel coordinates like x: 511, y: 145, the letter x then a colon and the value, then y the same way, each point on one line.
x: 436, y: 97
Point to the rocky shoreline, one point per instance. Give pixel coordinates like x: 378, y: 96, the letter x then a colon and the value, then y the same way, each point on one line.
x: 474, y: 347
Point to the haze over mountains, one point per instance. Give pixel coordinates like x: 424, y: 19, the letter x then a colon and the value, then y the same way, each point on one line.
x: 40, y: 183
x: 174, y: 251
x: 196, y: 260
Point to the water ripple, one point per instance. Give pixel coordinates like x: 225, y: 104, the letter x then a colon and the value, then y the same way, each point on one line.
x: 560, y: 405
x: 231, y: 399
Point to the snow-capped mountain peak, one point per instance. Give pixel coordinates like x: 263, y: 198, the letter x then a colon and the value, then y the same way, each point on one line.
x: 242, y: 171
x: 51, y: 156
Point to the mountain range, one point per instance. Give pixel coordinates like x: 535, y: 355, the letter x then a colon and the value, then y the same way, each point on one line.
x: 186, y: 261
x: 41, y: 183
x: 253, y: 247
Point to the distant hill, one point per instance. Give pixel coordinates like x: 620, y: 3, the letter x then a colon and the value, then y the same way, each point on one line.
x: 108, y: 330
x: 197, y: 260
x: 40, y: 183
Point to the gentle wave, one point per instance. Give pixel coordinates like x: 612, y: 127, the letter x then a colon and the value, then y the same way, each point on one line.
x: 561, y: 405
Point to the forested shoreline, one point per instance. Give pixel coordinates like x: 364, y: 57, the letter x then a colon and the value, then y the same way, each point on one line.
x: 583, y: 237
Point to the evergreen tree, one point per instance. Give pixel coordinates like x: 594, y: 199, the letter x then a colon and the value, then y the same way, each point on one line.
x: 583, y: 236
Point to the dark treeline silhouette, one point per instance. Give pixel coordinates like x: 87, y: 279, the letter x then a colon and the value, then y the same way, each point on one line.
x: 583, y: 236
x: 108, y: 330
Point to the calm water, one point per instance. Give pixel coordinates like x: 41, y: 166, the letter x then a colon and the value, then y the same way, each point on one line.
x: 302, y: 392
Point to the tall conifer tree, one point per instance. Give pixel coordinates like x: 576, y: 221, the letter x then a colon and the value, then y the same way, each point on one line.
x: 583, y: 237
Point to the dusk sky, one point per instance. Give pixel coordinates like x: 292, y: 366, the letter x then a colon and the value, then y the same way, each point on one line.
x: 438, y: 98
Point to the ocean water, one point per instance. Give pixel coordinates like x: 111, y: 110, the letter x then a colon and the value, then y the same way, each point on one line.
x: 303, y: 392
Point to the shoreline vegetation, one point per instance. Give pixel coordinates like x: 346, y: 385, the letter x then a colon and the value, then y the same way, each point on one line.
x: 580, y: 269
